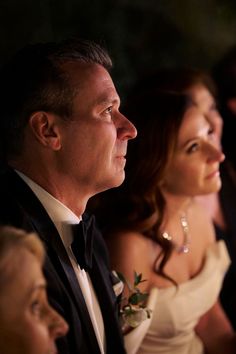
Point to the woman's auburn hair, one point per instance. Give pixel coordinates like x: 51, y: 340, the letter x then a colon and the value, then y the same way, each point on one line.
x: 138, y: 204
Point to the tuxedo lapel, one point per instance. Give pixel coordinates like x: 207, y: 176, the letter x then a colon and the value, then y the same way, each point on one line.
x: 42, y: 224
x: 107, y: 300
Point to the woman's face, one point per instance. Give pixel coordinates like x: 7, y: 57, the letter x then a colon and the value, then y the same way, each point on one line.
x: 28, y: 323
x: 202, y: 97
x: 194, y: 166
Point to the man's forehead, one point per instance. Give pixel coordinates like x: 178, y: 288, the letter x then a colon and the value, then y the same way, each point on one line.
x: 79, y: 71
x: 93, y: 87
x: 94, y: 80
x: 99, y: 98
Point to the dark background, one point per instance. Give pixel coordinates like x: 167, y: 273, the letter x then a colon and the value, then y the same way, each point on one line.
x: 139, y: 34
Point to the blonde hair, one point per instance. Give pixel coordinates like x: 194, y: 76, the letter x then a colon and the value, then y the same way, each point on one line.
x: 13, y: 239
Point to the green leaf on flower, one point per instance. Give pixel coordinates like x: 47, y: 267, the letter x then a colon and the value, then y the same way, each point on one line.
x: 137, y: 298
x: 138, y: 279
x: 133, y: 310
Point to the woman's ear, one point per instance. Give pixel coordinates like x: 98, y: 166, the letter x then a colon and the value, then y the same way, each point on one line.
x: 44, y: 127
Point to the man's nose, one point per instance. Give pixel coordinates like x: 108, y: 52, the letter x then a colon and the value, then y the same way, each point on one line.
x: 125, y: 129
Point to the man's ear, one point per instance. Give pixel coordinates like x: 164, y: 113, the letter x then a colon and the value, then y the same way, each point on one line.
x: 231, y: 104
x: 44, y: 127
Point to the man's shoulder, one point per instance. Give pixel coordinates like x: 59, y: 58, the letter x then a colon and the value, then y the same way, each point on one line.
x: 9, y: 181
x: 9, y: 208
x: 16, y: 199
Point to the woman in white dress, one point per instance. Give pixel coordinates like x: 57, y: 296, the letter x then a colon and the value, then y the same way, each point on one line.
x: 153, y: 225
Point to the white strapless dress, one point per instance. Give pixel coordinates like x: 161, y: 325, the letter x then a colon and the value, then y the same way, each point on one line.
x: 177, y: 311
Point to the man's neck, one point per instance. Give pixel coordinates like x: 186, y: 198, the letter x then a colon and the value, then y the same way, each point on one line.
x: 61, y: 191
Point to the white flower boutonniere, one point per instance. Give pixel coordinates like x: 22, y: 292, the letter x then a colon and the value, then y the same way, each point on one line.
x: 133, y: 310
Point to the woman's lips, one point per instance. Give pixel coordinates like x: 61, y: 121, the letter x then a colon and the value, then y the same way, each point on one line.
x: 213, y: 174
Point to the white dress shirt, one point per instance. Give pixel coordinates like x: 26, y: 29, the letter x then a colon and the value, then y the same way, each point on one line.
x: 62, y: 216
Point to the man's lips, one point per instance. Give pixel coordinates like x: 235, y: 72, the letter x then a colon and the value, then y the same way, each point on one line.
x: 121, y: 156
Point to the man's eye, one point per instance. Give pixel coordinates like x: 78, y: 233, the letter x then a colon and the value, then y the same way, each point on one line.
x: 107, y: 113
x: 108, y: 110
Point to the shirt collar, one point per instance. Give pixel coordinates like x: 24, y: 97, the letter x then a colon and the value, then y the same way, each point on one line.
x: 59, y: 213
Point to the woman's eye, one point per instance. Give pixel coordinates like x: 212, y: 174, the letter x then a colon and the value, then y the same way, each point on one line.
x: 192, y: 148
x: 211, y: 131
x: 36, y: 308
x: 213, y: 107
x: 212, y: 135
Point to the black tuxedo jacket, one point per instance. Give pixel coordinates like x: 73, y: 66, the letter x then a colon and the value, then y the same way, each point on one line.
x: 21, y: 208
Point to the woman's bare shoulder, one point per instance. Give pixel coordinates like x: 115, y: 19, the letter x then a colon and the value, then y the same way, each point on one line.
x: 130, y: 251
x: 128, y: 241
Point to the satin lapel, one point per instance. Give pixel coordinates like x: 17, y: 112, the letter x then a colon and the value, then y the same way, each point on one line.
x: 102, y: 286
x: 43, y: 225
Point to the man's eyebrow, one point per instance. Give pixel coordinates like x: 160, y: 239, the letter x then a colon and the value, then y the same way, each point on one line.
x: 107, y: 97
x: 106, y: 100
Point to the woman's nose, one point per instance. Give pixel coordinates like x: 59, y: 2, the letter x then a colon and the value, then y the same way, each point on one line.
x: 58, y: 326
x: 215, y: 153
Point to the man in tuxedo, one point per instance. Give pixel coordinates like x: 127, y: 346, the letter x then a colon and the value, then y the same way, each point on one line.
x: 63, y: 140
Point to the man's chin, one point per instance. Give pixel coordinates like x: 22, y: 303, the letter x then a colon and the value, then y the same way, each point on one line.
x: 119, y: 180
x: 113, y: 183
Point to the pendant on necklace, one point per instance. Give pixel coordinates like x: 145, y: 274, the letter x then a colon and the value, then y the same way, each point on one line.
x: 184, y: 248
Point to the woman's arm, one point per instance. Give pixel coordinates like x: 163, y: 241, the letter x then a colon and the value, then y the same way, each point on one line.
x: 216, y: 332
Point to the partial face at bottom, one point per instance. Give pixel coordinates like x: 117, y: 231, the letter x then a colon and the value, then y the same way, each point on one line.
x: 28, y: 323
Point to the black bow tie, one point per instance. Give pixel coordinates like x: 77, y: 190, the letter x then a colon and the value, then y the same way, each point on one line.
x: 82, y: 245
